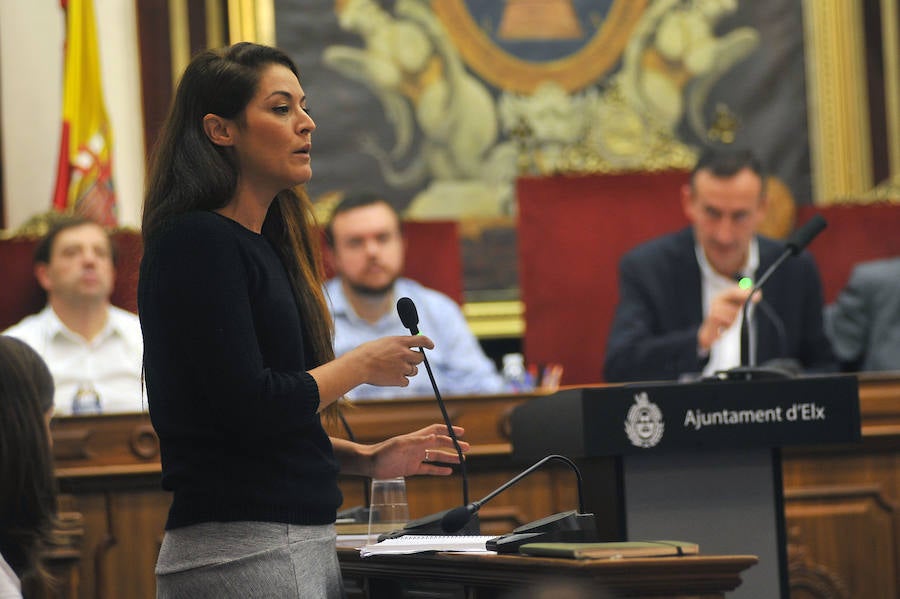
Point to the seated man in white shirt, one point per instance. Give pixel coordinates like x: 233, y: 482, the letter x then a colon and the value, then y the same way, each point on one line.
x: 94, y: 350
x: 368, y: 249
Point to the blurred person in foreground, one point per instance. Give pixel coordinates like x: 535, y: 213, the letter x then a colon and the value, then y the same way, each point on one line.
x: 238, y: 356
x: 679, y: 311
x: 366, y: 241
x: 27, y: 482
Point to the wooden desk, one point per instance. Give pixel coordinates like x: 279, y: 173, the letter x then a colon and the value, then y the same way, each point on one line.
x: 488, y: 576
x: 842, y: 503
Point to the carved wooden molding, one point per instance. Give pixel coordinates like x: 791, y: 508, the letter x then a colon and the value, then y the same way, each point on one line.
x: 144, y: 442
x: 828, y: 527
x: 71, y: 444
x: 810, y: 580
x: 807, y: 578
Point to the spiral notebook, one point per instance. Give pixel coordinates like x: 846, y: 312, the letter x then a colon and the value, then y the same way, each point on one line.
x: 422, y: 543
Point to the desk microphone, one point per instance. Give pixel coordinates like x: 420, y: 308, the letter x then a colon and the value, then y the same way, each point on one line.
x: 458, y: 517
x: 409, y: 316
x: 795, y: 243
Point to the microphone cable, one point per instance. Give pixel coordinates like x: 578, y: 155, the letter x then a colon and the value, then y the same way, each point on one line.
x: 366, y: 480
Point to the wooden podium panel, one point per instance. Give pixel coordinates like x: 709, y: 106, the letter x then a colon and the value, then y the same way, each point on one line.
x: 699, y: 461
x: 490, y: 576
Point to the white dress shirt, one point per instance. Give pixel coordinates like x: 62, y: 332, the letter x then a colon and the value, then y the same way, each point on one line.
x: 108, y: 367
x: 725, y: 352
x: 10, y: 587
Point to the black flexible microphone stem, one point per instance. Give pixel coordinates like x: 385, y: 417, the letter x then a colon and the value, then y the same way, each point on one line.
x: 458, y: 517
x: 409, y: 316
x: 366, y: 481
x: 799, y: 240
x: 531, y: 469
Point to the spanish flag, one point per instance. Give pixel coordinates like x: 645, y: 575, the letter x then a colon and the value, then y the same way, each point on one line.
x: 84, y: 182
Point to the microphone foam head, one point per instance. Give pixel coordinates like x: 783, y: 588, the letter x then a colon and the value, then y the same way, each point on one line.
x: 408, y: 314
x: 805, y: 234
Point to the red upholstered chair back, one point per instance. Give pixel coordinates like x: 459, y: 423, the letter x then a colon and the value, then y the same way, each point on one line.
x: 433, y: 258
x: 572, y: 232
x: 855, y: 233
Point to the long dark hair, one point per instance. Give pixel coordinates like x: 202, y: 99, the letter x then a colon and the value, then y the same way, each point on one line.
x: 27, y: 483
x: 188, y: 172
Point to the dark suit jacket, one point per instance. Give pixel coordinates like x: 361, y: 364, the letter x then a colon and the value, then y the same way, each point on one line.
x: 864, y: 322
x: 654, y: 330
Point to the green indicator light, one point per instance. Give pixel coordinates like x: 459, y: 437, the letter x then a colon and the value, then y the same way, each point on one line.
x: 745, y: 283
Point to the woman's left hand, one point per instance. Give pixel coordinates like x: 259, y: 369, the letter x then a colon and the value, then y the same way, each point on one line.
x: 419, y: 452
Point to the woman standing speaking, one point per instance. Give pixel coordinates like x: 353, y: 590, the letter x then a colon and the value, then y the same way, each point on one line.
x: 238, y: 353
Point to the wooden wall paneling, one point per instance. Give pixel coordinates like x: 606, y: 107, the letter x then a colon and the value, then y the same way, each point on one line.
x: 197, y: 25
x: 123, y: 530
x: 841, y: 501
x: 138, y: 523
x: 848, y: 537
x: 156, y: 66
x: 93, y: 509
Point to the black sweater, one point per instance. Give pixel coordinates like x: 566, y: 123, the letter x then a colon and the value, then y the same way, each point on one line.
x: 225, y: 363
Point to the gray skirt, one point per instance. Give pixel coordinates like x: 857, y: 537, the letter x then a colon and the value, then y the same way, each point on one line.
x: 248, y: 559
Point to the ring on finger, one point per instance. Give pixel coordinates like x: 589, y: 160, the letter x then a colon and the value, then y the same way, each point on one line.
x: 427, y: 455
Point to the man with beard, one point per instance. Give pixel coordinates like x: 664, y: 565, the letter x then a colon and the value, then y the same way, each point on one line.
x: 93, y: 349
x: 368, y: 249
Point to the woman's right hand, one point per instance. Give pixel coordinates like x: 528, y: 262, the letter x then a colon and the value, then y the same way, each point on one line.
x: 390, y: 361
x: 385, y: 362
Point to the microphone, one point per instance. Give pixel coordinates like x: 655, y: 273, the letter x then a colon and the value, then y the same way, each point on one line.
x: 805, y: 234
x: 456, y: 518
x: 794, y: 245
x: 409, y: 316
x: 567, y: 526
x: 431, y: 524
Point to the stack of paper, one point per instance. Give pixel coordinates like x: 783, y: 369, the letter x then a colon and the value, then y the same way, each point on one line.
x: 422, y: 543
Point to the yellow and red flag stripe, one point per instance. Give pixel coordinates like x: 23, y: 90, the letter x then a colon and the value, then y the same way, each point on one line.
x: 84, y: 183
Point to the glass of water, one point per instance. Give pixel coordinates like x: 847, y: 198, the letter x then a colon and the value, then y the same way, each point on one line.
x: 389, y: 509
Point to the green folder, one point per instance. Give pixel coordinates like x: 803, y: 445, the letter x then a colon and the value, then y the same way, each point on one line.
x: 610, y: 550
